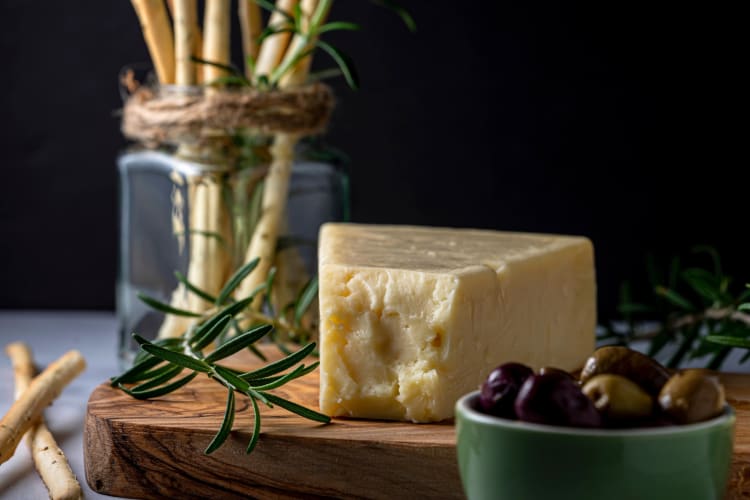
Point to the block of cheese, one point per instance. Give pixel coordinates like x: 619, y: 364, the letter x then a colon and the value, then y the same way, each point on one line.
x: 412, y: 318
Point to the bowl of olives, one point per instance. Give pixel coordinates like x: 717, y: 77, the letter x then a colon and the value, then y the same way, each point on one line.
x: 624, y: 427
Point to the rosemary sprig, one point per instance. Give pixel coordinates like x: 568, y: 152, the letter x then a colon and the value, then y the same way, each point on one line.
x: 311, y: 36
x: 695, y: 309
x: 160, y: 365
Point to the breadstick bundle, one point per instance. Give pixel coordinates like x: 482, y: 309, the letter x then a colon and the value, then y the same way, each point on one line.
x: 188, y: 55
x: 33, y: 395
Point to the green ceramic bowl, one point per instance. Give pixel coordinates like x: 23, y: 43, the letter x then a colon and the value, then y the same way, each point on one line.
x: 508, y: 460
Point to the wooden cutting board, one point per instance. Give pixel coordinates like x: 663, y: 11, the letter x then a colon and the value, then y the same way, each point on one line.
x: 153, y: 449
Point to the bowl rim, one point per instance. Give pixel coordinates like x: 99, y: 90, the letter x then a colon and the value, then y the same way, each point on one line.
x: 464, y: 408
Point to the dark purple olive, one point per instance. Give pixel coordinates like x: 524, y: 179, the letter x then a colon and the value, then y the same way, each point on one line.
x: 500, y: 389
x: 555, y: 400
x: 557, y: 371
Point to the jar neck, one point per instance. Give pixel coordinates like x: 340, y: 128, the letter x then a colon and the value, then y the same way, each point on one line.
x: 227, y: 153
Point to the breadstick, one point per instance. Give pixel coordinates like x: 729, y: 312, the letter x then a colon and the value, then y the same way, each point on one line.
x: 297, y: 74
x: 40, y: 393
x: 276, y: 190
x: 272, y: 49
x: 49, y: 459
x: 158, y: 34
x: 216, y: 33
x: 185, y: 15
x: 250, y: 25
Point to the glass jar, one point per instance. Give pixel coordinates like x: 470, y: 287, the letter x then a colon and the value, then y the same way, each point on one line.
x: 163, y: 230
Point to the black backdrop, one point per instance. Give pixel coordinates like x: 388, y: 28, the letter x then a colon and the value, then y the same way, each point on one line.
x: 615, y: 120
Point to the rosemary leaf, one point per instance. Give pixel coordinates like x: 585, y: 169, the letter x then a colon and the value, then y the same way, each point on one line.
x: 257, y: 352
x: 338, y: 26
x: 704, y: 284
x: 306, y: 297
x: 257, y: 382
x: 260, y: 396
x: 208, y: 234
x: 281, y: 347
x: 150, y: 374
x: 298, y: 372
x: 269, y: 287
x: 169, y: 373
x: 230, y: 80
x: 165, y: 308
x: 305, y: 370
x: 674, y: 298
x: 229, y: 68
x: 135, y: 371
x: 177, y: 358
x: 235, y: 280
x: 238, y: 343
x: 297, y: 10
x: 200, y: 293
x: 231, y: 310
x: 226, y: 425
x: 273, y: 30
x: 280, y: 365
x: 271, y: 7
x: 204, y: 339
x: 280, y: 381
x: 251, y: 347
x: 298, y: 409
x: 729, y: 341
x: 160, y: 391
x: 256, y: 427
x: 169, y: 343
x: 400, y: 11
x: 230, y: 378
x: 343, y: 61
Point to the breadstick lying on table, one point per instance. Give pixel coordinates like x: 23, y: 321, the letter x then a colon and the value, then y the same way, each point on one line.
x: 28, y: 408
x: 48, y: 458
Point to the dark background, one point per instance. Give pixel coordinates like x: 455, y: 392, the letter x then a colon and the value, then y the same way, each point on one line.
x: 615, y: 120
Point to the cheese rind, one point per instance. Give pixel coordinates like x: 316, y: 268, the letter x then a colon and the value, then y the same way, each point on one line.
x: 412, y: 317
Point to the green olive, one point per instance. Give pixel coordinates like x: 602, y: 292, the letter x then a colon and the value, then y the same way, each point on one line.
x: 617, y: 397
x: 633, y: 365
x: 692, y: 396
x: 556, y: 371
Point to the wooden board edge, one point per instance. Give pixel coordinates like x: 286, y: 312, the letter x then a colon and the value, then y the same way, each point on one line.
x: 123, y: 459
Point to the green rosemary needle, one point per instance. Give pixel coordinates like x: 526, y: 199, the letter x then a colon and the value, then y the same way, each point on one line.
x: 160, y: 365
x: 693, y: 309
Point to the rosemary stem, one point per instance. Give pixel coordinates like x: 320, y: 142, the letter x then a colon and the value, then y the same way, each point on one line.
x: 718, y: 359
x: 687, y: 343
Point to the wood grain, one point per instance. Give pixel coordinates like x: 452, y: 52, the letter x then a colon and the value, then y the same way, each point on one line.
x: 153, y: 449
x: 737, y: 388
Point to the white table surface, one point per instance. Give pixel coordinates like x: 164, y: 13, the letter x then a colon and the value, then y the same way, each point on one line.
x: 50, y: 335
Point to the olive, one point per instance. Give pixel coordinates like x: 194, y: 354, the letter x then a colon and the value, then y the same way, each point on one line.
x: 500, y: 389
x: 633, y: 365
x: 557, y: 371
x: 617, y: 397
x: 692, y: 396
x: 555, y: 400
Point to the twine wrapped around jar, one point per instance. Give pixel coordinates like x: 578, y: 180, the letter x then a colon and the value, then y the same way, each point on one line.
x: 179, y: 115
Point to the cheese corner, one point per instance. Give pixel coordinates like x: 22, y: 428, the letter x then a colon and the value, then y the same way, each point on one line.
x: 412, y: 318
